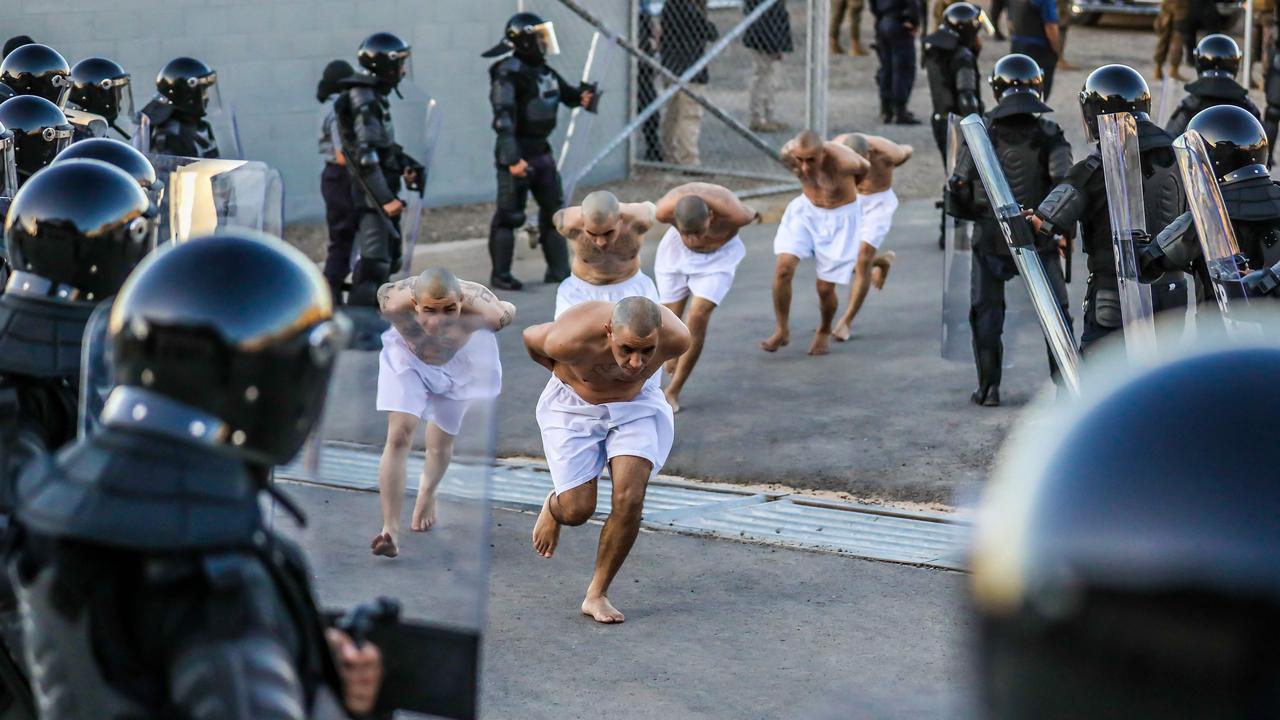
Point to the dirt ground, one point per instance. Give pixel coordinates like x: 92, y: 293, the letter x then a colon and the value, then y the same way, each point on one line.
x: 852, y: 104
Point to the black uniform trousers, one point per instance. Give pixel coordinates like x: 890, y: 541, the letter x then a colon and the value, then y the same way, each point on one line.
x: 987, y: 280
x: 341, y: 217
x: 896, y: 49
x: 543, y: 181
x: 1044, y: 56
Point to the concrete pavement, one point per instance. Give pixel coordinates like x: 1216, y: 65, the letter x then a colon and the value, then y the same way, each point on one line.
x: 882, y: 416
x: 715, y: 629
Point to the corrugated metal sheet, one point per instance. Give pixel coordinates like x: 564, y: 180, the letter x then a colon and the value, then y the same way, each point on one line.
x: 933, y: 539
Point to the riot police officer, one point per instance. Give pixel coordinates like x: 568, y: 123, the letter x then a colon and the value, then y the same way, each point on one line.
x: 375, y: 162
x: 1082, y: 197
x: 1237, y: 147
x: 35, y: 69
x: 1034, y: 155
x: 526, y: 94
x: 100, y: 86
x: 69, y: 254
x: 897, y: 22
x: 1124, y: 557
x: 40, y: 132
x: 150, y: 582
x: 1217, y: 60
x: 951, y: 61
x: 177, y: 112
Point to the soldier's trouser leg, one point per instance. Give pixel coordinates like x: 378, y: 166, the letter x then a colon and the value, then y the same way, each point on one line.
x: 1164, y: 38
x: 1169, y: 301
x: 341, y: 218
x: 884, y: 76
x: 508, y: 215
x: 1053, y: 270
x: 376, y: 256
x: 855, y: 22
x: 838, y: 8
x: 986, y: 315
x: 549, y: 194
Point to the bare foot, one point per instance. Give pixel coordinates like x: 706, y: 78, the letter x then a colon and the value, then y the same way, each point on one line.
x: 384, y: 546
x: 779, y: 338
x: 602, y: 610
x: 424, y: 512
x: 546, y: 531
x: 842, y: 331
x: 673, y: 399
x: 821, y: 344
x: 880, y: 268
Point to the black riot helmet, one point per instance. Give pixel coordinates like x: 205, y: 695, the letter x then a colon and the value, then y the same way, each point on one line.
x: 528, y: 36
x: 6, y: 92
x: 1126, y: 568
x: 122, y: 155
x: 240, y: 326
x: 101, y: 86
x: 1016, y: 72
x: 1112, y: 89
x: 1235, y: 141
x: 965, y: 19
x: 36, y: 69
x: 187, y: 83
x: 386, y: 57
x: 40, y: 131
x: 81, y: 226
x: 1217, y: 56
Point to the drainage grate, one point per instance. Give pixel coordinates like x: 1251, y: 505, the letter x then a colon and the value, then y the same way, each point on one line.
x: 932, y: 539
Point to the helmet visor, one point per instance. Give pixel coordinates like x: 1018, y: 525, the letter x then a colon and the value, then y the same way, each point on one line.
x: 986, y: 23
x: 546, y: 35
x: 122, y: 89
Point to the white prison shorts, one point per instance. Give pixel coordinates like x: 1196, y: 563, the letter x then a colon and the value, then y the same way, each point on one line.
x: 877, y: 216
x: 681, y: 271
x: 575, y: 291
x: 438, y: 393
x: 579, y: 438
x: 830, y: 235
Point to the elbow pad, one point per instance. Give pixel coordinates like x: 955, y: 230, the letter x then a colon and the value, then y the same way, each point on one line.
x: 1173, y: 249
x: 1060, y: 210
x: 502, y: 123
x: 967, y: 103
x: 1263, y: 283
x: 369, y: 158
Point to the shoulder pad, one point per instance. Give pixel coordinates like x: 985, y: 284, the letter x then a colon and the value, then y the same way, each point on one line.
x: 358, y: 80
x: 1049, y: 127
x: 507, y: 66
x: 1084, y: 170
x: 1254, y: 200
x: 158, y: 111
x: 1152, y: 137
x: 941, y: 40
x: 359, y: 96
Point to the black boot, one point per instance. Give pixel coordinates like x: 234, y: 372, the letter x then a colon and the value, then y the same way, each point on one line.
x: 886, y: 112
x: 903, y: 116
x: 506, y: 281
x: 989, y: 372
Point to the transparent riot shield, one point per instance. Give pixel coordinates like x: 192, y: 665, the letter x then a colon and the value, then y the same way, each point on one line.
x: 221, y: 117
x: 957, y: 267
x: 426, y: 533
x: 1018, y: 233
x: 1227, y: 265
x: 86, y: 125
x: 411, y: 222
x: 1164, y: 104
x: 202, y: 196
x: 96, y: 374
x: 580, y: 143
x: 1122, y: 172
x: 142, y: 137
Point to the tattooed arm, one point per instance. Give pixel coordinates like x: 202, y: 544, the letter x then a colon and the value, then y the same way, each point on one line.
x: 395, y: 304
x: 481, y: 304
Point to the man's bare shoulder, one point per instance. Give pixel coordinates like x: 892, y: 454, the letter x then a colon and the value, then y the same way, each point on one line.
x: 568, y: 219
x: 396, y: 297
x: 640, y: 213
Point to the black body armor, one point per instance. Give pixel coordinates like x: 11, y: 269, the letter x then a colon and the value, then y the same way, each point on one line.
x: 1206, y: 92
x: 526, y: 98
x: 177, y: 133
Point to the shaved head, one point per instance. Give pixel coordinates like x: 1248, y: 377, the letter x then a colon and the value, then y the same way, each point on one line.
x: 858, y: 143
x: 637, y: 315
x: 809, y: 142
x: 601, y: 208
x: 436, y: 283
x: 692, y: 214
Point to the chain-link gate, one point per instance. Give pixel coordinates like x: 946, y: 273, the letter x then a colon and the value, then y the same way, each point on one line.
x: 715, y: 89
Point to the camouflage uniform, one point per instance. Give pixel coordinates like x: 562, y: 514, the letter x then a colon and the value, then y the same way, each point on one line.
x: 1169, y: 28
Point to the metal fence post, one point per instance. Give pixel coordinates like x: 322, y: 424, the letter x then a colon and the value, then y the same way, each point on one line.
x: 816, y: 67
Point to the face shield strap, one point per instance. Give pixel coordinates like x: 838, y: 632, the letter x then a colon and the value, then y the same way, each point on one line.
x: 134, y: 408
x: 25, y: 284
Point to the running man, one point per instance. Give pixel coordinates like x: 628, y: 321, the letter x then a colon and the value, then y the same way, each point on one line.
x: 438, y: 356
x: 606, y: 237
x: 875, y: 192
x: 598, y: 409
x: 697, y: 257
x: 821, y: 223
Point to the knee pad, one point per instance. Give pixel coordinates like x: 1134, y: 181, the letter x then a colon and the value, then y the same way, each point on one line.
x: 374, y: 271
x: 1106, y: 308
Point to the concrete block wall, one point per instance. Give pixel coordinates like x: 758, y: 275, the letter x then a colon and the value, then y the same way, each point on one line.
x: 270, y: 53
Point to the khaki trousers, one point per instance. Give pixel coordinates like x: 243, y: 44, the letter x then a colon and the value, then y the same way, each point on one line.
x: 764, y: 86
x: 681, y: 126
